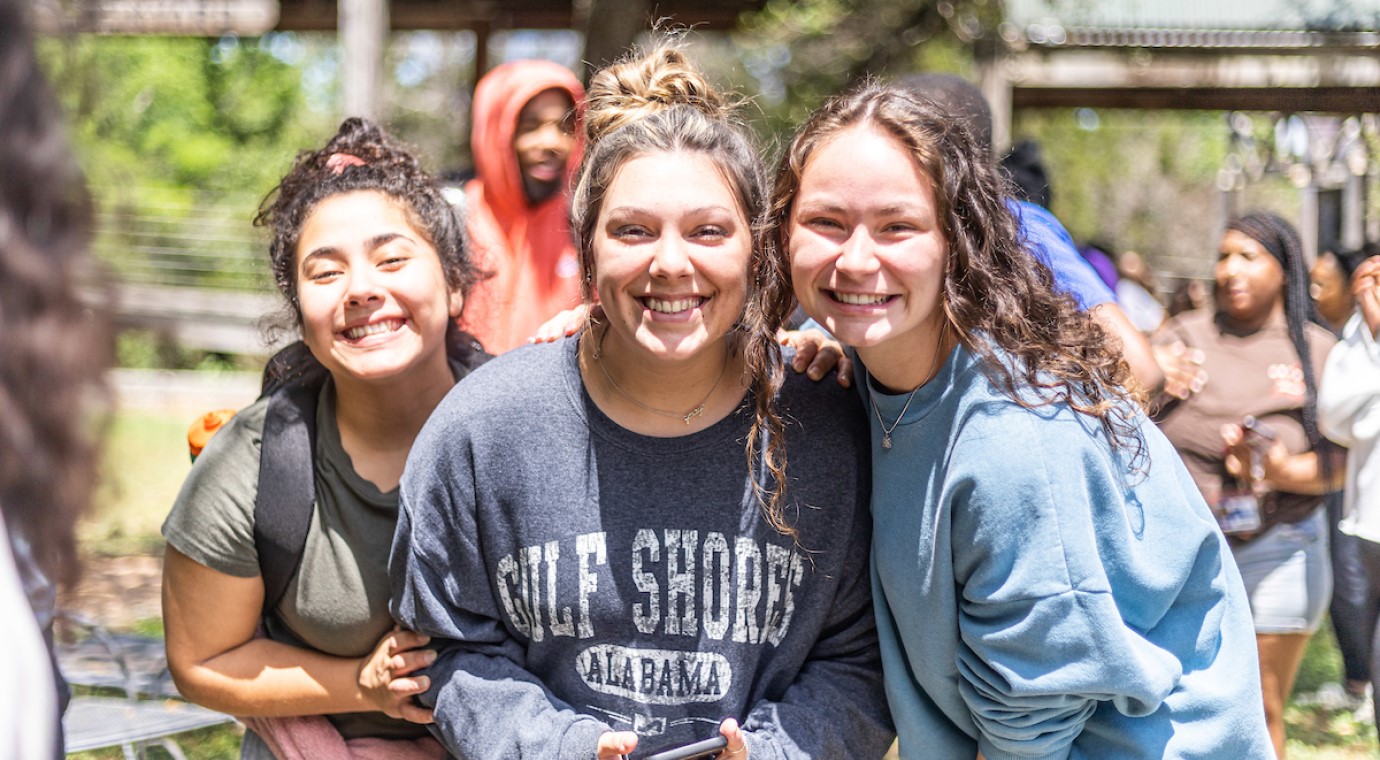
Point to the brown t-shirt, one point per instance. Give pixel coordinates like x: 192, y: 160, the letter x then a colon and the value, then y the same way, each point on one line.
x: 1257, y: 374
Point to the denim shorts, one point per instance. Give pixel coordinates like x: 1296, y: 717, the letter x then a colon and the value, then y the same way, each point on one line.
x: 1288, y: 575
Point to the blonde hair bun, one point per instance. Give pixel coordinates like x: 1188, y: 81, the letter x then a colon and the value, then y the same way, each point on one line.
x: 641, y: 86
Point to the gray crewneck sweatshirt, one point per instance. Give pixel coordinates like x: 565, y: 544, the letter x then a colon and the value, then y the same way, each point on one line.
x: 590, y: 579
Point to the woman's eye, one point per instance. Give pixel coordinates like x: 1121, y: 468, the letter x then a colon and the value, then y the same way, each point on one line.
x: 711, y: 232
x: 896, y: 227
x: 324, y: 275
x: 824, y: 223
x: 631, y: 232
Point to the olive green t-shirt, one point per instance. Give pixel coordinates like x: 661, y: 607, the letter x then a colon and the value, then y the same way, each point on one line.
x: 338, y: 601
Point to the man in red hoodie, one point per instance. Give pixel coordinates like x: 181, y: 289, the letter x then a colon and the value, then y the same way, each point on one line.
x: 526, y: 144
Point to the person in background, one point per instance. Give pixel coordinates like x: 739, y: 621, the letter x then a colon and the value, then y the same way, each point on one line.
x: 606, y: 528
x: 1047, y: 579
x: 1135, y: 291
x: 54, y: 349
x: 1249, y: 435
x: 526, y: 145
x: 1044, y: 236
x: 1188, y: 294
x: 1098, y: 254
x: 1331, y: 289
x: 373, y: 263
x: 1349, y: 414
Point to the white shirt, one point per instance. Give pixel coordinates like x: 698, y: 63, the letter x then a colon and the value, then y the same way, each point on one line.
x: 1349, y: 413
x: 28, y: 705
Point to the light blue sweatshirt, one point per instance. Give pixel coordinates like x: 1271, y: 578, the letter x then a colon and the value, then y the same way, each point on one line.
x: 1037, y: 598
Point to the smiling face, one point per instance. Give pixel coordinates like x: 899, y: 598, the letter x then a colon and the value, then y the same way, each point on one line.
x: 374, y: 300
x: 671, y: 248
x: 544, y: 138
x: 1250, y: 282
x: 867, y: 252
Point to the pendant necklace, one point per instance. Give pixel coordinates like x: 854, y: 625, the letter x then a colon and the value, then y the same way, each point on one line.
x: 934, y: 367
x: 688, y: 416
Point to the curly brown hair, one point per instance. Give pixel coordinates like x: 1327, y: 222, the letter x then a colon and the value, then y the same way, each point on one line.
x: 53, y: 347
x: 997, y: 296
x: 360, y: 157
x: 659, y: 102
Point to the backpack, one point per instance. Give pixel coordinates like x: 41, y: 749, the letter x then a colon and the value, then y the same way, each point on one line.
x: 292, y: 383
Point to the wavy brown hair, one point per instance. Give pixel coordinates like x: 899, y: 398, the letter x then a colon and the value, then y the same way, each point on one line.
x: 659, y: 102
x: 53, y: 347
x: 996, y: 294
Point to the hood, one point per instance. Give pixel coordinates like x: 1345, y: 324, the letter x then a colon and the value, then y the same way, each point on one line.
x: 498, y: 99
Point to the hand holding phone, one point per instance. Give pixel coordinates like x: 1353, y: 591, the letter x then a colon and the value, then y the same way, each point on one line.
x: 704, y: 749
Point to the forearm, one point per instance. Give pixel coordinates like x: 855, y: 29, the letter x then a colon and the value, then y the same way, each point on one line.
x: 1303, y: 473
x: 1135, y: 347
x: 263, y: 678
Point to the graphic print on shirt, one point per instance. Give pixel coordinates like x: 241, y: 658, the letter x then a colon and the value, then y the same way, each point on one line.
x: 736, y: 589
x: 1286, y: 381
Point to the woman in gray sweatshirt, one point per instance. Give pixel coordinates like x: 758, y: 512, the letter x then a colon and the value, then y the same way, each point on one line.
x: 580, y: 527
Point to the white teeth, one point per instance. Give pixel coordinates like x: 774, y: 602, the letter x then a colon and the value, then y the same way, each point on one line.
x: 355, y: 333
x: 672, y: 307
x: 859, y: 300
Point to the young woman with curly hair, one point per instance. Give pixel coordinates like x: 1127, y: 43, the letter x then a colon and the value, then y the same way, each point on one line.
x: 374, y: 266
x: 602, y: 525
x: 1048, y: 582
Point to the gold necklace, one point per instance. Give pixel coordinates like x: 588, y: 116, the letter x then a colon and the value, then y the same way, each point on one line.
x: 934, y: 368
x: 690, y: 415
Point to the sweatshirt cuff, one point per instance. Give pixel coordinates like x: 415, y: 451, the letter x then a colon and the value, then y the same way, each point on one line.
x: 581, y: 738
x: 990, y: 752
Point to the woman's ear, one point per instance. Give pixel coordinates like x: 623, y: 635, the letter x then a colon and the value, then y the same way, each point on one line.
x: 456, y: 303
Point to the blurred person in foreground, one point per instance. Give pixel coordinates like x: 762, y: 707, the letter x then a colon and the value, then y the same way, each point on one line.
x: 1349, y: 413
x: 1041, y: 232
x: 52, y: 355
x: 1247, y: 429
x: 526, y: 146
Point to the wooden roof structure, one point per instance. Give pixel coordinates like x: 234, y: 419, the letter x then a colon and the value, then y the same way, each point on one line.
x: 321, y: 15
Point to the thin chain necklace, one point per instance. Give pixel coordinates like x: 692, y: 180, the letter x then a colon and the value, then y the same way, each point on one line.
x: 934, y: 367
x: 690, y: 415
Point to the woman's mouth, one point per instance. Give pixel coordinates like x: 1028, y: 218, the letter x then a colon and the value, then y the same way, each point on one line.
x: 374, y: 328
x: 859, y: 299
x: 672, y: 305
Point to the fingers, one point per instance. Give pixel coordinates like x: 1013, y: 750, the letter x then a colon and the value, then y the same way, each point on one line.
x: 614, y: 744
x: 737, y: 744
x: 410, y: 661
x: 806, y: 353
x: 845, y: 373
x: 404, y: 640
x: 414, y: 713
x: 407, y: 687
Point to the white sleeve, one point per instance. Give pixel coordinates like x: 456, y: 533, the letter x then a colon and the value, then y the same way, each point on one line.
x: 28, y: 697
x: 1349, y: 394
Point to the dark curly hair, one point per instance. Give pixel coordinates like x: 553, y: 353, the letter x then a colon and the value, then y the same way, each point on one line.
x: 361, y: 156
x: 53, y: 347
x: 660, y: 102
x: 996, y: 294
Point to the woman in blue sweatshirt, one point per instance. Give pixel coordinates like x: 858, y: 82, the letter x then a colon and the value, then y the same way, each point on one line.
x: 1048, y: 581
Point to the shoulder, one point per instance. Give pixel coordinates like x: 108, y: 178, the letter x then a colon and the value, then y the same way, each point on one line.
x: 524, y: 390
x: 1319, y: 337
x: 212, y: 520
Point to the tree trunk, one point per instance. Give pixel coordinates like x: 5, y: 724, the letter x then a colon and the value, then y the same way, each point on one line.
x: 612, y: 26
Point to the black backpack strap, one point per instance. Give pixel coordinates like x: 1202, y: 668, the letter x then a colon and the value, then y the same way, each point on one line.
x: 287, y: 487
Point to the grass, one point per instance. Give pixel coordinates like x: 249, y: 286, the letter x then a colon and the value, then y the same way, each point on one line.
x: 144, y: 463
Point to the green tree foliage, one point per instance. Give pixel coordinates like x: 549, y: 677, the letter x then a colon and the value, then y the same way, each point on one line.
x: 214, y: 116
x: 180, y: 137
x: 803, y: 51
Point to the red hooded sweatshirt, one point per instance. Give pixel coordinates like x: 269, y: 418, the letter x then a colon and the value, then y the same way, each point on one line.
x: 527, y: 249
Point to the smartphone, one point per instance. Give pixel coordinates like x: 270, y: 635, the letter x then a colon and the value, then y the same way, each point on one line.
x: 705, y: 749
